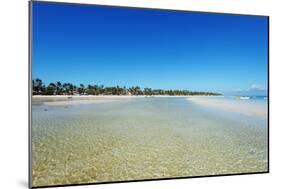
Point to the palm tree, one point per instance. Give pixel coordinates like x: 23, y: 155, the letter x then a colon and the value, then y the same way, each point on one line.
x: 124, y: 91
x: 51, y: 89
x: 58, y: 88
x: 81, y: 89
x: 38, y: 86
x: 148, y: 91
x: 65, y: 88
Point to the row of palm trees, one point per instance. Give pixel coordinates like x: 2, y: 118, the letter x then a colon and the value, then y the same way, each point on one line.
x: 58, y: 88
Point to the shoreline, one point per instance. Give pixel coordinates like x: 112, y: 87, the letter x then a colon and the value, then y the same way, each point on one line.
x: 115, y: 96
x: 218, y: 102
x: 64, y: 100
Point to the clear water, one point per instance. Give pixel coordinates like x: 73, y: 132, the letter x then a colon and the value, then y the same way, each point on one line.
x: 143, y: 138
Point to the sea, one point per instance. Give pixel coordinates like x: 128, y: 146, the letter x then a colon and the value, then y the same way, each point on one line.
x: 146, y: 138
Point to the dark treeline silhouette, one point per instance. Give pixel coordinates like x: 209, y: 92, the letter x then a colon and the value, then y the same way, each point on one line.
x: 58, y: 88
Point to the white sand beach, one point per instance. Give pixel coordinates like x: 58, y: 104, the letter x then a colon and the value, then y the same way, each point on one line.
x: 64, y: 100
x: 245, y: 107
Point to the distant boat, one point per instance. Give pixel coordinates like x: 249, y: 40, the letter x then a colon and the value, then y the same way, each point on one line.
x: 244, y: 97
x: 150, y: 96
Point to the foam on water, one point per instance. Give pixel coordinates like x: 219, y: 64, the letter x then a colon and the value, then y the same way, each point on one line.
x: 144, y: 138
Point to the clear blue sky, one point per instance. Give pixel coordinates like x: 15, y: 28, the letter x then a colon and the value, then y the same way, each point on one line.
x: 149, y: 48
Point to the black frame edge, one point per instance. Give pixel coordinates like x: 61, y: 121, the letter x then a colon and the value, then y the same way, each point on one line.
x: 149, y: 180
x: 29, y: 93
x: 145, y: 8
x: 268, y: 93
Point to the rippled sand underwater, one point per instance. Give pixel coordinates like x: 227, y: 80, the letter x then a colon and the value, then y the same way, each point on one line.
x: 142, y: 138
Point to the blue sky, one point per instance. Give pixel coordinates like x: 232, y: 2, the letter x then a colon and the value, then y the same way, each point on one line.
x: 149, y: 48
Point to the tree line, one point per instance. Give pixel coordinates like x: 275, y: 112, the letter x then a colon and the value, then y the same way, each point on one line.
x: 58, y: 88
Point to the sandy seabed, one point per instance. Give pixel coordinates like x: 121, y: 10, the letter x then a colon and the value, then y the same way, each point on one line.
x: 141, y: 138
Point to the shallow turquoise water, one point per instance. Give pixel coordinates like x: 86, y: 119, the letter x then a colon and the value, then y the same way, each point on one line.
x: 143, y: 138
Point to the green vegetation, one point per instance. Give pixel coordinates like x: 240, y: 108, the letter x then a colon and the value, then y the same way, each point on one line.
x: 58, y: 88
